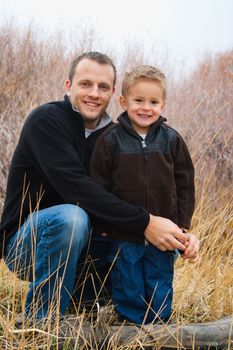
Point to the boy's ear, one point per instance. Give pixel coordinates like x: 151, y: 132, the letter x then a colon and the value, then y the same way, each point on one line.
x: 122, y: 101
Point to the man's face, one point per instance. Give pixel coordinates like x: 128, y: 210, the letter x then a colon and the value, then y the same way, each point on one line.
x: 91, y: 90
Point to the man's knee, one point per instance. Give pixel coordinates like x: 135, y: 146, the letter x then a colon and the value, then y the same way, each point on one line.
x: 75, y: 222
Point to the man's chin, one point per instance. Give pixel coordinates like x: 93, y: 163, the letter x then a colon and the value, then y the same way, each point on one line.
x: 93, y: 114
x: 91, y: 120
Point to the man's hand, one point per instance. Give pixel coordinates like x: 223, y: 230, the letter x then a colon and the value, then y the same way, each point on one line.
x: 192, y: 250
x: 165, y: 235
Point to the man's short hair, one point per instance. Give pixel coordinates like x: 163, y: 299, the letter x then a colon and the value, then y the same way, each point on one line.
x: 144, y: 72
x: 94, y: 56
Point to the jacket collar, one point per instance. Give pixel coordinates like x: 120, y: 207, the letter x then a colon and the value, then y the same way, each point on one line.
x: 126, y: 124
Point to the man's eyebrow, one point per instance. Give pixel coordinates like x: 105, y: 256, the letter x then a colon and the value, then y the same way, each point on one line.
x: 104, y: 83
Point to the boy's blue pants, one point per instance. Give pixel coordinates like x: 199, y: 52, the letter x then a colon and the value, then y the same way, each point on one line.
x: 142, y: 278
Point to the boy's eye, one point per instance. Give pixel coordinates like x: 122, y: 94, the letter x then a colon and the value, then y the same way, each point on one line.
x: 154, y: 102
x: 137, y: 100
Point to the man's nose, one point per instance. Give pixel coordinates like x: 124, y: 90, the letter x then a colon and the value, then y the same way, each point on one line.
x: 94, y: 91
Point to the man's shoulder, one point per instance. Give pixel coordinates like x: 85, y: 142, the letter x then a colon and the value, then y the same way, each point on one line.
x: 48, y: 112
x: 52, y: 108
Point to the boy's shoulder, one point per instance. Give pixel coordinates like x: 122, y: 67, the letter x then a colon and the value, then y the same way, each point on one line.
x: 112, y: 129
x: 171, y: 130
x: 169, y: 127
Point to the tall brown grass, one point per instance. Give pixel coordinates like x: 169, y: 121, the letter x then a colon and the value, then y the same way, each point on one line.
x: 33, y: 71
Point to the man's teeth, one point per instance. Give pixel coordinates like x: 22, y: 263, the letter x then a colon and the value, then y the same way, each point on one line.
x: 91, y: 104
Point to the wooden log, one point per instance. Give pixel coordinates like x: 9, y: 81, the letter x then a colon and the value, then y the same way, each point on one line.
x: 95, y: 335
x: 217, y: 333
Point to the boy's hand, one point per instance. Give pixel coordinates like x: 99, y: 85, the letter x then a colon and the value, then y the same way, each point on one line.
x: 191, y: 253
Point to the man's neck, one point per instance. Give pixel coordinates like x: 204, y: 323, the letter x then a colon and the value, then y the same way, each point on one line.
x: 91, y: 124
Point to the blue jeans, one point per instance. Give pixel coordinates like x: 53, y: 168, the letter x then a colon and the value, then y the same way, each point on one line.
x: 45, y: 251
x: 142, y: 278
x: 93, y: 282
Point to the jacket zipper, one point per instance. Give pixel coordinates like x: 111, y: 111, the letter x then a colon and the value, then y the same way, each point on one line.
x: 145, y: 158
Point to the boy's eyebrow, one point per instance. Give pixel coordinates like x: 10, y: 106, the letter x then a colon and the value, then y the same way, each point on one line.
x: 139, y: 96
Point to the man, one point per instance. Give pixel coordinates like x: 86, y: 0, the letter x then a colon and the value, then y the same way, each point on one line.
x: 45, y: 226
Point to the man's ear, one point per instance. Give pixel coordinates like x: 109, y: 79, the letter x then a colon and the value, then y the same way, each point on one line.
x: 68, y: 86
x: 122, y: 101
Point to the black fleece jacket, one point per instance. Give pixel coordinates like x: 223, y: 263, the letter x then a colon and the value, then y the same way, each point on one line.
x: 157, y: 173
x: 49, y: 167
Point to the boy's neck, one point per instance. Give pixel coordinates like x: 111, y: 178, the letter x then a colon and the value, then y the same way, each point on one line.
x: 142, y: 135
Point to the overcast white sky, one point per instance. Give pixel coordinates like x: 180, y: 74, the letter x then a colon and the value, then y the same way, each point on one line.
x: 186, y: 29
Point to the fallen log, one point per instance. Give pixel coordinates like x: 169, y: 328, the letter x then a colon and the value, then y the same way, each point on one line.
x: 218, y: 334
x: 95, y: 335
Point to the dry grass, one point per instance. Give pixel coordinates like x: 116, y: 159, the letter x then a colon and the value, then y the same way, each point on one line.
x: 34, y: 71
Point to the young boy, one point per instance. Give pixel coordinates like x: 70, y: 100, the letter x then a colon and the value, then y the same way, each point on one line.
x: 144, y: 162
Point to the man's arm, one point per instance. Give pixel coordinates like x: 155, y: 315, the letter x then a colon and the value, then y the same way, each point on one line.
x: 51, y: 148
x: 164, y: 234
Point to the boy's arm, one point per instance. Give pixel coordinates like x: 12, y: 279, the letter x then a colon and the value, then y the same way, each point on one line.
x: 191, y: 253
x: 184, y: 179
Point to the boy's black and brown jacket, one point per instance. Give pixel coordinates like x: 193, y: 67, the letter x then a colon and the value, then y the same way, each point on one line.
x: 157, y: 173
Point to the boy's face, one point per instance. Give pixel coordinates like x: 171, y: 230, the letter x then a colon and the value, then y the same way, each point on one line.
x: 144, y: 103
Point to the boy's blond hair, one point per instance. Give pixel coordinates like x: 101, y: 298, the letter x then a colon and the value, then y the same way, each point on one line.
x: 144, y: 72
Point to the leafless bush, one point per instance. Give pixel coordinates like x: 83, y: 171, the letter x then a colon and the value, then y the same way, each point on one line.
x: 201, y: 108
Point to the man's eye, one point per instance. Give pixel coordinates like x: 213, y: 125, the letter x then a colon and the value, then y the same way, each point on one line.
x: 104, y: 87
x: 84, y: 84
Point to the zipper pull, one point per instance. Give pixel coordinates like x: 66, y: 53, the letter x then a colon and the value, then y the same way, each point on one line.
x: 143, y: 143
x: 144, y: 146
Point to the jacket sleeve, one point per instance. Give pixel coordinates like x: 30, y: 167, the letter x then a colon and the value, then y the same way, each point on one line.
x: 184, y: 179
x: 50, y: 145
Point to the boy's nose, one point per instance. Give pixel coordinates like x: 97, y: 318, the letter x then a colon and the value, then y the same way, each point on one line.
x: 146, y: 106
